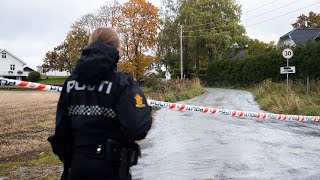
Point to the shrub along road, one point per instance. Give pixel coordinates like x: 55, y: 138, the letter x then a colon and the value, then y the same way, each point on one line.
x: 191, y: 145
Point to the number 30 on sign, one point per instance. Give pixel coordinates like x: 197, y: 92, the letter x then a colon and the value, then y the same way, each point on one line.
x: 287, y: 53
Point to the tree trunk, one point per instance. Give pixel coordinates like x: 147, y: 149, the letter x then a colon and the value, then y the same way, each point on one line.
x: 210, y: 55
x: 185, y: 60
x: 197, y: 62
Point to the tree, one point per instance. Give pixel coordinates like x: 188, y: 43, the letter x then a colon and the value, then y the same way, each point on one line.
x: 311, y: 21
x: 168, y: 50
x: 76, y: 40
x: 109, y: 14
x: 64, y: 56
x: 138, y: 28
x: 87, y: 22
x: 255, y: 47
x: 212, y: 28
x: 168, y: 44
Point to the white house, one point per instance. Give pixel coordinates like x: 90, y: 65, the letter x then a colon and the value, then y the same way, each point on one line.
x: 11, y: 66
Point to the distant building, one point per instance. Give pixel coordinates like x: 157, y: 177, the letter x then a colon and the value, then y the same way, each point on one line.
x: 13, y: 67
x: 28, y: 69
x: 152, y: 72
x: 299, y: 37
x: 42, y: 71
x: 168, y: 75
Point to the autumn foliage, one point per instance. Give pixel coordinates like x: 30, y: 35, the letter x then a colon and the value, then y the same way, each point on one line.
x: 138, y: 29
x: 308, y: 21
x: 136, y: 22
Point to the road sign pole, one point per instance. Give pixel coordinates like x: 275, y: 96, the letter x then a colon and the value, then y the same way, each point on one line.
x: 287, y: 53
x: 287, y: 76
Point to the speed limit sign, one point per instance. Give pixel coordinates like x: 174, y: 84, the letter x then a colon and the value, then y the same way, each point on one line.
x: 287, y: 53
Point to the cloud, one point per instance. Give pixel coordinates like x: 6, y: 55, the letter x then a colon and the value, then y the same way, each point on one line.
x: 31, y: 28
x: 259, y: 24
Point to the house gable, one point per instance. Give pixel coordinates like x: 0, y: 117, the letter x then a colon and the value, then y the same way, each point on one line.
x: 318, y: 37
x: 298, y: 37
x: 9, y: 53
x: 11, y: 66
x: 286, y: 40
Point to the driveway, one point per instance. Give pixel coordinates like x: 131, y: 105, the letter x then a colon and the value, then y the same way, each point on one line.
x: 192, y: 145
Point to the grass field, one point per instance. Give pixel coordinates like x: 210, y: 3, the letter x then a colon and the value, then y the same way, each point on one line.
x: 27, y: 119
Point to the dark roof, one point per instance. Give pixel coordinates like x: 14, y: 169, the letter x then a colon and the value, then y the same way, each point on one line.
x: 302, y: 36
x: 318, y: 37
x: 28, y: 69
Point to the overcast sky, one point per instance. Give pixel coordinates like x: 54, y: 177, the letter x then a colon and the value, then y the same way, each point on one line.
x: 30, y: 28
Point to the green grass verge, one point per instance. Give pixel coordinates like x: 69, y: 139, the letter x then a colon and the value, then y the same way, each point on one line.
x: 146, y: 90
x: 14, y: 88
x: 53, y: 80
x: 44, y: 158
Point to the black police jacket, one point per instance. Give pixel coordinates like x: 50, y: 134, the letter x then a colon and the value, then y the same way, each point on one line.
x: 97, y: 102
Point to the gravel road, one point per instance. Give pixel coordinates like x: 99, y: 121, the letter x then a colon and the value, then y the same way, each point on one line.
x: 192, y: 145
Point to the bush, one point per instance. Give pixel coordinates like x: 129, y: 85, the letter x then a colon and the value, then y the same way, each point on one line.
x: 255, y: 69
x: 175, y: 90
x: 152, y: 82
x: 34, y: 76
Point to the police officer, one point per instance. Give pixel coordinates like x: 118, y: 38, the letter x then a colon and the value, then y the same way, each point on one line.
x: 100, y: 114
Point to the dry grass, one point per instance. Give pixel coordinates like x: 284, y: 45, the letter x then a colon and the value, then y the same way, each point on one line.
x: 275, y: 98
x: 176, y: 90
x: 27, y: 118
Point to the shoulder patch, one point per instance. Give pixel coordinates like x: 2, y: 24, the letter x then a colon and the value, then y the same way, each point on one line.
x: 139, y: 102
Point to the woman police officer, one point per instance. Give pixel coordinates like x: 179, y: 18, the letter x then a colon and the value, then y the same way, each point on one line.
x: 100, y: 114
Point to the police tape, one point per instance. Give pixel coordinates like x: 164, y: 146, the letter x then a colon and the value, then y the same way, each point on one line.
x: 32, y: 85
x: 235, y: 113
x: 177, y: 106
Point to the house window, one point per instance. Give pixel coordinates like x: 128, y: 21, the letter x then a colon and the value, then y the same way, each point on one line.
x: 12, y: 67
x: 4, y: 55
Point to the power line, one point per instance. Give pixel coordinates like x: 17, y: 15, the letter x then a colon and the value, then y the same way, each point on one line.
x: 283, y: 15
x: 258, y: 22
x: 247, y: 18
x: 201, y: 24
x: 204, y: 35
x: 203, y: 30
x: 253, y: 17
x: 260, y: 6
x: 221, y: 21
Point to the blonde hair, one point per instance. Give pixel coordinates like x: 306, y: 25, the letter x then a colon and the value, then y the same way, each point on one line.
x: 106, y: 35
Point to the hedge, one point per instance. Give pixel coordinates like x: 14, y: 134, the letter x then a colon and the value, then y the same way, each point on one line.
x: 255, y: 69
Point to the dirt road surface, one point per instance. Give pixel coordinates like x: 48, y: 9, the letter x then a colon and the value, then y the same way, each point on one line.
x: 192, y: 145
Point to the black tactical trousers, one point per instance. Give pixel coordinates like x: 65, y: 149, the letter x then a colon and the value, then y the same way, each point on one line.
x: 88, y: 166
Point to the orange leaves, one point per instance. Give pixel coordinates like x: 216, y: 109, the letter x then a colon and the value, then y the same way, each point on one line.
x: 305, y: 21
x: 136, y: 21
x: 138, y: 27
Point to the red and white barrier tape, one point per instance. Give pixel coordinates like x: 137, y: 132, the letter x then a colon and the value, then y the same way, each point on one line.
x: 176, y: 106
x: 210, y: 110
x: 11, y: 82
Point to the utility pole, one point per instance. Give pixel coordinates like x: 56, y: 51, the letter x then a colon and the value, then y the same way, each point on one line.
x: 181, y: 54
